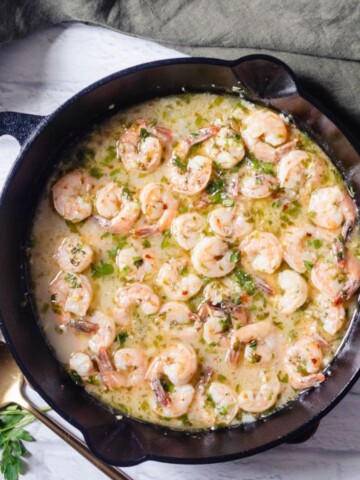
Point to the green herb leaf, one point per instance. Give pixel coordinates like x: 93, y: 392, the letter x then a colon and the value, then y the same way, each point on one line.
x: 235, y: 256
x: 245, y: 280
x: 259, y: 165
x: 215, y: 186
x: 176, y: 160
x: 121, y: 337
x: 96, y: 172
x: 144, y: 133
x: 13, y: 419
x: 308, y: 265
x: 166, y: 241
x: 101, y: 270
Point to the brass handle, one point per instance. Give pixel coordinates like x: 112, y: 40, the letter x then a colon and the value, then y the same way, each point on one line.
x: 74, y: 442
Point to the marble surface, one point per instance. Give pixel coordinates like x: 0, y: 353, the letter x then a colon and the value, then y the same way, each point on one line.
x: 39, y: 73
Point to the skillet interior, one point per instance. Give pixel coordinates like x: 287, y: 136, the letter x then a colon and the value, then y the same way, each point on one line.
x: 126, y: 441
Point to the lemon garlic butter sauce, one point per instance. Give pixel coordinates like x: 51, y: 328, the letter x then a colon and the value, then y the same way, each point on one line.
x: 194, y: 261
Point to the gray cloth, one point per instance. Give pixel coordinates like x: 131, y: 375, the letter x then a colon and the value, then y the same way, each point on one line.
x: 319, y: 39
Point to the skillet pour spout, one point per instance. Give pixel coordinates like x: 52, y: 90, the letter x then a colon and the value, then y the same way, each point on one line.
x: 114, y: 438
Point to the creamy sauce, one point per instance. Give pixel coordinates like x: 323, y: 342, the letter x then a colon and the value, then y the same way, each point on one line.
x: 262, y: 294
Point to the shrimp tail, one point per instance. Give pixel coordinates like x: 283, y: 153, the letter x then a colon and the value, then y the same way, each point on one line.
x: 338, y: 251
x: 347, y: 229
x: 202, y: 134
x: 302, y: 383
x: 159, y: 392
x: 263, y: 286
x: 280, y: 151
x: 350, y: 288
x: 147, y: 231
x: 232, y: 354
x: 79, y: 326
x: 204, y: 379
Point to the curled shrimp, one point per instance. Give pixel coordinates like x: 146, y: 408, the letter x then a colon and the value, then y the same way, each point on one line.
x: 295, y: 291
x: 212, y: 257
x: 294, y: 175
x: 193, y: 177
x: 332, y: 207
x: 253, y: 184
x: 221, y: 290
x: 138, y: 294
x: 230, y: 222
x: 72, y: 196
x: 331, y: 316
x: 262, y: 398
x: 216, y: 325
x: 71, y: 293
x: 187, y: 228
x: 172, y: 404
x: 224, y: 400
x: 142, y: 146
x: 135, y: 263
x: 225, y: 148
x: 132, y: 363
x: 265, y: 133
x: 159, y: 207
x: 258, y: 332
x: 301, y: 246
x: 335, y: 283
x: 303, y: 361
x: 105, y: 334
x: 176, y: 283
x: 116, y: 212
x: 177, y: 320
x: 73, y: 254
x: 263, y: 250
x: 177, y: 362
x: 82, y: 364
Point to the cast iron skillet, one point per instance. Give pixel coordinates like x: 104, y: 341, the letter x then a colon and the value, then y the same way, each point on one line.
x: 126, y: 441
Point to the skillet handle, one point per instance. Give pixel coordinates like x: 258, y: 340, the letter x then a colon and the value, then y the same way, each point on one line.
x: 18, y: 125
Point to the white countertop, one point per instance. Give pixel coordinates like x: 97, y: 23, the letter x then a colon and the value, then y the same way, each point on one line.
x: 39, y: 73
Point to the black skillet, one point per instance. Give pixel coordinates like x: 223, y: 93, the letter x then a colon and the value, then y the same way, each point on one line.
x: 124, y: 441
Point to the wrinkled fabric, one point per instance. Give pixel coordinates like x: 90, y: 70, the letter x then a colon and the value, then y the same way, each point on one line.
x: 320, y: 40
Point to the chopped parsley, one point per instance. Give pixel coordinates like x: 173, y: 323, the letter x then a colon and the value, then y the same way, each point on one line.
x: 101, y: 270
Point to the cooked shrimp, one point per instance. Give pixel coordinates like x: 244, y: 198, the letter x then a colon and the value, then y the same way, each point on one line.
x: 217, y: 325
x: 187, y: 229
x: 265, y: 133
x: 111, y: 378
x: 105, y: 334
x: 299, y: 169
x: 224, y: 289
x: 132, y: 363
x: 176, y: 319
x: 72, y: 196
x: 330, y: 207
x: 211, y: 257
x: 82, y: 364
x: 225, y: 148
x: 253, y: 184
x: 261, y: 399
x: 159, y: 207
x: 352, y: 283
x: 230, y: 222
x: 254, y: 331
x: 71, y: 293
x: 178, y: 362
x: 138, y: 294
x: 142, y: 146
x: 302, y: 245
x: 327, y: 278
x: 73, y: 254
x: 172, y: 404
x: 192, y: 176
x: 176, y: 282
x: 225, y: 403
x: 135, y: 263
x: 295, y: 291
x: 331, y: 316
x: 302, y: 361
x: 116, y: 212
x: 263, y: 250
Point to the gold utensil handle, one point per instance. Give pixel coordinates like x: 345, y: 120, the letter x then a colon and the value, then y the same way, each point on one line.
x: 74, y: 442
